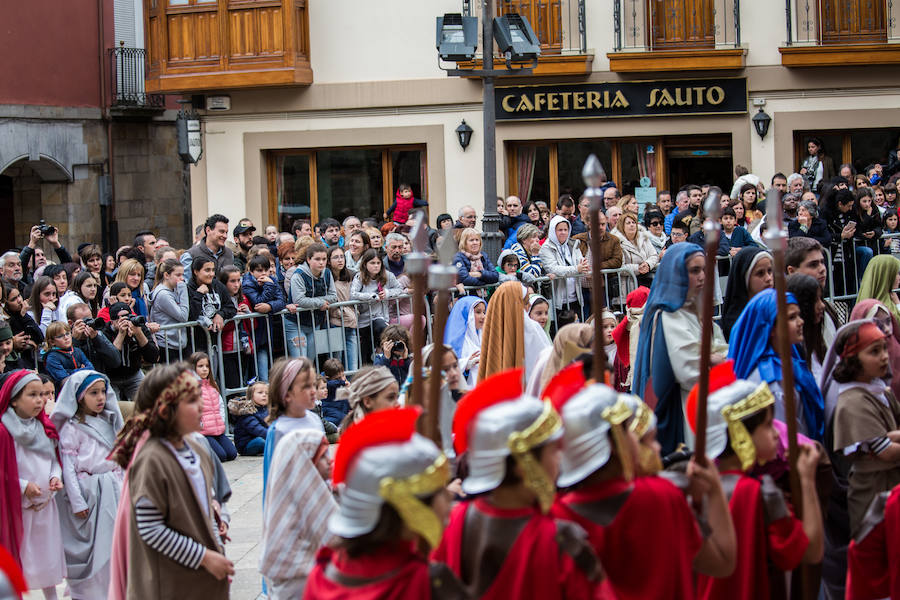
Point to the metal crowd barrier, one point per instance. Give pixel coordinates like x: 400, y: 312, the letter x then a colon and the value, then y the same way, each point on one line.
x: 235, y: 369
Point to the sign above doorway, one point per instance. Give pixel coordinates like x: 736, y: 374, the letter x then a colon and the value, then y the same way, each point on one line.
x: 622, y: 99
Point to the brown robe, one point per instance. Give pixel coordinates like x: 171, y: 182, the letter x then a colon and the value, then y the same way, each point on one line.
x: 860, y: 417
x: 157, y: 475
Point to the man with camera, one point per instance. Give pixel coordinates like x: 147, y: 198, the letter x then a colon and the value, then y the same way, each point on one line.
x: 86, y: 336
x: 38, y: 233
x: 129, y: 334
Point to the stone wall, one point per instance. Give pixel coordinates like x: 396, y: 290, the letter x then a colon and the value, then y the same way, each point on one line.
x: 149, y: 181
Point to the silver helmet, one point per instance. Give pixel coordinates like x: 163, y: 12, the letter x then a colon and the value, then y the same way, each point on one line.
x: 586, y: 443
x: 386, y: 461
x: 725, y: 408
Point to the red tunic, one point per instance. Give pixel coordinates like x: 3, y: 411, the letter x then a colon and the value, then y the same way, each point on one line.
x: 873, y: 559
x: 525, y: 561
x: 648, y: 518
x: 767, y: 534
x: 396, y: 572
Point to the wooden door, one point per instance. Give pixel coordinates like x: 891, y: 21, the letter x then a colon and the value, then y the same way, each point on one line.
x: 545, y: 17
x: 682, y: 24
x: 852, y: 21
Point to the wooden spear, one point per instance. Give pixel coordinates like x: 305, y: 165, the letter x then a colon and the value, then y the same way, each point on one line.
x: 711, y: 229
x: 441, y: 277
x: 417, y: 267
x: 776, y: 237
x: 592, y: 173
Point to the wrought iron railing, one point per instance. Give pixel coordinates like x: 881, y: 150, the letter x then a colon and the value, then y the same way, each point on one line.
x: 127, y: 71
x: 639, y: 25
x: 559, y: 24
x: 844, y: 22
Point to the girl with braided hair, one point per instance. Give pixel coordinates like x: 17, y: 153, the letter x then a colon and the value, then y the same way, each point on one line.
x: 174, y: 531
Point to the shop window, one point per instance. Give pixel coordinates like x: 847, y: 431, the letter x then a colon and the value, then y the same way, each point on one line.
x: 315, y: 184
x: 858, y: 147
x: 571, y: 160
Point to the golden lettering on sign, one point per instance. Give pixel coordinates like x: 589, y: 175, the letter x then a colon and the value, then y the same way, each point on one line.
x: 686, y: 96
x: 593, y: 100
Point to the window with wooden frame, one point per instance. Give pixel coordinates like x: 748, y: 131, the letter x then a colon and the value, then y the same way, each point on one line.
x: 857, y: 147
x: 545, y: 17
x: 544, y: 170
x: 338, y: 182
x: 682, y: 24
x: 853, y: 21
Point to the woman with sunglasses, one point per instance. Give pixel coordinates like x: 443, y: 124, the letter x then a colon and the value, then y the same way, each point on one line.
x: 653, y: 222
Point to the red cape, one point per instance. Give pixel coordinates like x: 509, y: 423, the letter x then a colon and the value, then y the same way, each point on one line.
x: 655, y: 523
x: 781, y: 542
x: 398, y: 571
x: 535, y: 567
x: 874, y: 561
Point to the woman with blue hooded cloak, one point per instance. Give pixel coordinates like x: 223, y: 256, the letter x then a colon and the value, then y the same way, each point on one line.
x: 667, y: 364
x: 753, y: 348
x: 463, y: 334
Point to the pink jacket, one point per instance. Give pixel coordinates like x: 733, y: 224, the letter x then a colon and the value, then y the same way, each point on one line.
x: 211, y: 422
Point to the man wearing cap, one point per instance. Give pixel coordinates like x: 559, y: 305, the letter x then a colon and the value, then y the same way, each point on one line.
x: 243, y: 241
x: 503, y: 544
x: 627, y: 516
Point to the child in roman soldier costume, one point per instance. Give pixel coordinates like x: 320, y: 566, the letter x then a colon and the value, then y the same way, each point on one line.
x: 392, y: 509
x: 606, y: 437
x: 770, y: 539
x: 501, y: 542
x: 873, y: 561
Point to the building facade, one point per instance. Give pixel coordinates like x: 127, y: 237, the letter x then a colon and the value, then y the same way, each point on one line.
x: 82, y: 145
x: 332, y: 105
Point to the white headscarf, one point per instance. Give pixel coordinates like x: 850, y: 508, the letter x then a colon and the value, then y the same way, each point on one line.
x: 471, y: 344
x: 564, y: 249
x: 104, y: 426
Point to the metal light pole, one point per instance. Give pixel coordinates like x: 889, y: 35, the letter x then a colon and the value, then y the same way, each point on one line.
x: 490, y: 222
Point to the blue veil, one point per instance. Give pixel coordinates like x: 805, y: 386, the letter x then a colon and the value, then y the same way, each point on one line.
x: 667, y: 294
x: 751, y: 349
x: 455, y: 332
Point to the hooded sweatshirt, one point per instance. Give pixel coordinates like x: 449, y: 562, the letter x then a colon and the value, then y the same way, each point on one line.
x: 170, y: 307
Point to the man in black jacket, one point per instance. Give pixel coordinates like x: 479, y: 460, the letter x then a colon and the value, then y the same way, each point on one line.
x: 98, y: 349
x: 28, y: 252
x: 135, y: 345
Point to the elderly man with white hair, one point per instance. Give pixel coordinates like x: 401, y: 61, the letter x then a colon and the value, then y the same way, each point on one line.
x: 795, y: 183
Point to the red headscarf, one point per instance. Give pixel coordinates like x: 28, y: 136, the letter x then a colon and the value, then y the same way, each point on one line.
x: 10, y: 493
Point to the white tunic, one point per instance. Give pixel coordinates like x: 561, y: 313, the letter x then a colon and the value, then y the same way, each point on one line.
x: 43, y: 559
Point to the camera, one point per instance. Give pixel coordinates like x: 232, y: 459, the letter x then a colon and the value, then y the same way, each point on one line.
x: 96, y: 324
x: 137, y: 320
x: 46, y: 229
x: 398, y: 348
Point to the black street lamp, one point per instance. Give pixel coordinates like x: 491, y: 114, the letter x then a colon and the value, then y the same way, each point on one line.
x: 518, y: 42
x: 761, y: 123
x: 464, y: 135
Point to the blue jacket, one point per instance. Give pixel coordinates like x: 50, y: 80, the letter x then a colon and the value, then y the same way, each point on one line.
x: 510, y: 227
x: 61, y: 363
x: 334, y: 410
x: 257, y: 293
x: 740, y: 238
x: 249, y: 421
x: 463, y: 264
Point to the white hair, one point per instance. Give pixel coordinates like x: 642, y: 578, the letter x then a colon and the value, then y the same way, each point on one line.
x: 464, y: 209
x: 394, y: 237
x: 7, y: 255
x: 793, y: 177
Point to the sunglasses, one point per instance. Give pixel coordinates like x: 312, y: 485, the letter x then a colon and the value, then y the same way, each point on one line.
x: 655, y: 223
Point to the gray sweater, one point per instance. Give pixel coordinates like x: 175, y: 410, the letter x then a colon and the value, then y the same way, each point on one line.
x: 168, y: 307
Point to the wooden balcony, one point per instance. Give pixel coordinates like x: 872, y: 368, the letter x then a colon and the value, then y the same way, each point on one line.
x: 676, y: 35
x: 559, y: 25
x: 209, y: 45
x: 841, y: 33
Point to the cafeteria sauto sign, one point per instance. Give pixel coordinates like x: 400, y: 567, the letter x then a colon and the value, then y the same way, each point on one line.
x: 624, y: 99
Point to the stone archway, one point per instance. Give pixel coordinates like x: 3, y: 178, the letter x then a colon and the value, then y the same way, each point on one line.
x: 30, y: 190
